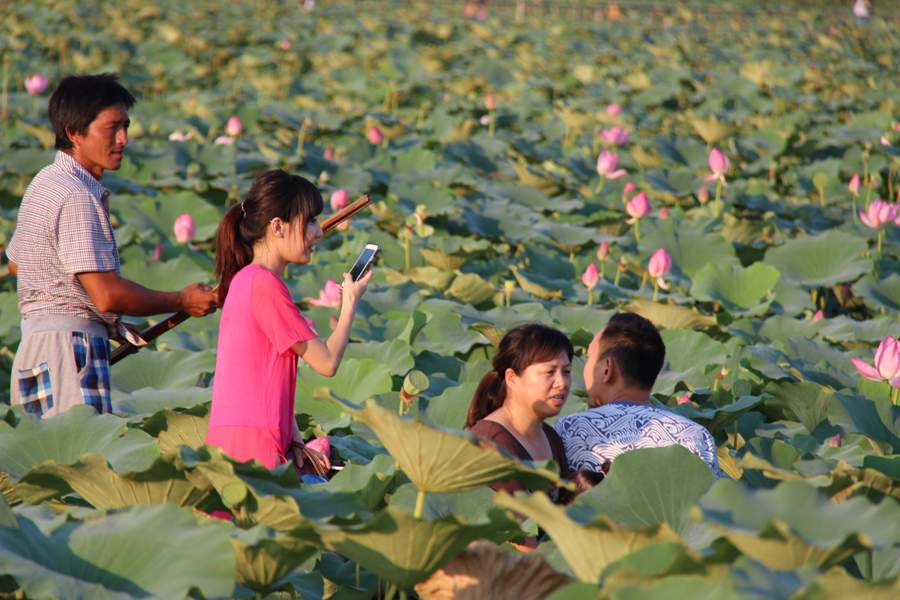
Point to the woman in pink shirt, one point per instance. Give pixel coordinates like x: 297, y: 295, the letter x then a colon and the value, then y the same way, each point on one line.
x: 262, y: 332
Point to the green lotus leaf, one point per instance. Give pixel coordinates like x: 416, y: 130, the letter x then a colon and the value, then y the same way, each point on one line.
x: 356, y: 379
x: 648, y: 486
x: 262, y: 558
x: 148, y: 401
x: 121, y: 556
x: 162, y: 370
x: 439, y: 460
x: 104, y: 488
x: 827, y: 259
x: 802, y: 401
x: 65, y: 437
x: 587, y: 548
x: 449, y: 409
x: 841, y: 481
x: 690, y: 357
x: 668, y: 316
x: 9, y: 318
x: 369, y: 482
x: 401, y: 548
x: 159, y: 213
x: 396, y: 354
x: 471, y: 289
x: 883, y: 293
x: 837, y: 584
x: 168, y: 275
x: 680, y: 586
x: 740, y: 291
x: 530, y: 284
x: 794, y: 525
x: 445, y: 334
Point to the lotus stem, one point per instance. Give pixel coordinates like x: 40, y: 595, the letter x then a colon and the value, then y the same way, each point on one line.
x: 600, y: 187
x: 344, y: 248
x: 356, y: 573
x: 717, y: 203
x: 4, y: 109
x: 407, y: 261
x: 590, y: 296
x: 491, y: 124
x: 655, y: 290
x: 233, y: 192
x: 880, y: 240
x: 301, y: 141
x: 420, y: 504
x: 637, y: 230
x: 895, y: 395
x: 854, y: 211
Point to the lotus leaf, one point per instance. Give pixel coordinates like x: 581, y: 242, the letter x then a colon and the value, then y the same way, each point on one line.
x: 827, y: 259
x: 741, y: 291
x: 163, y: 370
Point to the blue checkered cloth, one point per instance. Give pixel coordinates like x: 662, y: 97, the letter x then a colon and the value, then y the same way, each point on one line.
x: 95, y: 374
x: 35, y: 388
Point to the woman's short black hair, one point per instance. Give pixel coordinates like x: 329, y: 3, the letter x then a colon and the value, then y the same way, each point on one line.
x: 78, y: 100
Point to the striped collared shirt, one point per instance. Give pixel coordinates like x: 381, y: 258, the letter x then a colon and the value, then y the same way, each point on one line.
x: 62, y: 229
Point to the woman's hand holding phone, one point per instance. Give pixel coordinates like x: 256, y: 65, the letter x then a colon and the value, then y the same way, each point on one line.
x: 352, y: 291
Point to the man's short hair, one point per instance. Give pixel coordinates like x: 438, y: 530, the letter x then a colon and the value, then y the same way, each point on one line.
x: 78, y: 100
x: 637, y: 348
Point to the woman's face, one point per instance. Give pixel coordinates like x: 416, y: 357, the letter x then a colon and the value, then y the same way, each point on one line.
x: 297, y: 242
x: 542, y: 387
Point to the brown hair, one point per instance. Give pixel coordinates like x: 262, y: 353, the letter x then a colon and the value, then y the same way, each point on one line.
x: 521, y: 347
x: 636, y: 346
x: 273, y: 194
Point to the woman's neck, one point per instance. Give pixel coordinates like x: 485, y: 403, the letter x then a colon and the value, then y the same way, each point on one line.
x: 268, y: 260
x: 524, y: 424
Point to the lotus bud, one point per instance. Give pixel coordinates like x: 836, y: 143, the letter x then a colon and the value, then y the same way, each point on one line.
x: 603, y: 251
x: 157, y: 252
x: 591, y: 276
x: 415, y: 383
x: 490, y: 102
x: 485, y: 120
x: 329, y: 296
x: 887, y: 363
x: 606, y: 166
x: 629, y: 187
x: 184, y: 228
x: 683, y: 399
x: 834, y: 441
x: 615, y: 136
x: 324, y: 178
x: 664, y: 213
x: 718, y: 162
x: 819, y: 315
x: 177, y: 136
x: 285, y: 44
x: 223, y: 515
x: 329, y: 153
x: 613, y: 110
x: 234, y: 127
x: 36, y: 84
x: 375, y: 136
x: 660, y: 264
x: 703, y: 195
x: 224, y: 140
x: 884, y: 140
x: 854, y: 184
x: 638, y: 207
x: 340, y: 198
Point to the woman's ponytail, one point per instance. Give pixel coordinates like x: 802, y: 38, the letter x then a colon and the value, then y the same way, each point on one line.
x: 489, y: 396
x: 232, y: 252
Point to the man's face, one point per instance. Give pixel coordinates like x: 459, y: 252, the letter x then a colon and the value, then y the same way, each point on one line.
x: 102, y: 146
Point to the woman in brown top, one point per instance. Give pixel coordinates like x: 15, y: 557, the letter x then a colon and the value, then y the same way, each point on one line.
x: 530, y: 382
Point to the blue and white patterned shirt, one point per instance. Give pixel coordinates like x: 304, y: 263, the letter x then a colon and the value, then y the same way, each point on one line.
x: 601, y: 434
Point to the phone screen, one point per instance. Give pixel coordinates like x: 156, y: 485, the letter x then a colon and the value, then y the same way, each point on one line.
x: 362, y: 263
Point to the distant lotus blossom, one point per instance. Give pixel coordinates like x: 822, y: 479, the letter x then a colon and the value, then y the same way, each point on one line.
x: 234, y: 127
x: 285, y: 44
x: 184, y: 228
x: 887, y: 363
x: 629, y: 187
x: 659, y: 266
x: 683, y: 399
x: 613, y: 110
x: 718, y: 164
x: 329, y: 153
x: 834, y: 441
x: 603, y: 251
x: 375, y: 136
x: 36, y: 84
x: 224, y: 140
x: 878, y: 213
x: 703, y: 194
x: 615, y: 136
x: 854, y: 184
x: 222, y: 515
x: 490, y: 101
x: 485, y: 120
x: 638, y: 207
x: 177, y: 136
x: 884, y: 140
x: 664, y: 213
x: 157, y: 252
x: 606, y: 166
x: 329, y: 296
x: 896, y: 126
x: 820, y: 314
x: 591, y: 276
x: 339, y: 199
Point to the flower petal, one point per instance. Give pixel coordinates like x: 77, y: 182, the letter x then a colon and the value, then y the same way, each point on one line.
x: 866, y: 370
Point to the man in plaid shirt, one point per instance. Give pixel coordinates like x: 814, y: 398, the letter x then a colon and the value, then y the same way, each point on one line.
x: 64, y: 255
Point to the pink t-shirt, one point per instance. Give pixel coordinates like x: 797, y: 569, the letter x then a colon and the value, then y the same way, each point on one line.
x: 256, y: 368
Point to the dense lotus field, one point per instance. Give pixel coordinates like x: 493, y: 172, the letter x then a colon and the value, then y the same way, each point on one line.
x: 752, y: 149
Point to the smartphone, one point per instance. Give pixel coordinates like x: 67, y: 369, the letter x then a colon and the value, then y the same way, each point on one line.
x: 364, y: 262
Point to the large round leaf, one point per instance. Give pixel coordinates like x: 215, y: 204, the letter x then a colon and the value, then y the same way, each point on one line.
x: 822, y: 260
x: 741, y: 291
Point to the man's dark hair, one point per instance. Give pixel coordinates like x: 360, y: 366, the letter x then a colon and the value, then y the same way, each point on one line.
x: 636, y: 346
x: 78, y: 100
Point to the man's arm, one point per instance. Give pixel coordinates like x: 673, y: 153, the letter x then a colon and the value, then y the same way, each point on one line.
x: 114, y: 294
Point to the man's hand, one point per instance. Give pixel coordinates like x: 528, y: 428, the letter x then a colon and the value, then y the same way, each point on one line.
x: 198, y: 299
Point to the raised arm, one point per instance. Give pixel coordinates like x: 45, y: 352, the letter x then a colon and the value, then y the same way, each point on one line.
x: 325, y: 356
x: 112, y: 293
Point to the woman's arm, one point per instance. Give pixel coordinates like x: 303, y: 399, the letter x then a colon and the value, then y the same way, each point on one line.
x: 325, y: 356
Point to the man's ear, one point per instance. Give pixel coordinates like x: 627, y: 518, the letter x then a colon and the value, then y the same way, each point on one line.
x: 609, y: 371
x: 72, y: 134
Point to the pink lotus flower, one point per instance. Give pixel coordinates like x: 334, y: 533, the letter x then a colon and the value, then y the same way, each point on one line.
x: 887, y: 363
x: 177, y: 136
x: 184, y: 228
x: 375, y: 136
x: 330, y: 296
x: 329, y: 153
x: 234, y: 127
x: 490, y: 101
x: 638, y: 207
x: 591, y: 276
x: 322, y: 444
x: 606, y: 165
x: 339, y: 199
x: 485, y: 120
x: 603, y: 251
x: 224, y: 140
x: 615, y: 136
x: 664, y: 212
x: 718, y: 164
x: 820, y: 314
x: 878, y: 213
x: 683, y: 399
x: 222, y: 515
x: 285, y: 44
x: 854, y: 184
x: 659, y: 266
x: 36, y: 84
x: 834, y: 441
x: 629, y: 187
x: 613, y: 110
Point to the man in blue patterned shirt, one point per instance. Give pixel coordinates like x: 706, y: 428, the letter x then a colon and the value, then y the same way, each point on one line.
x: 622, y: 365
